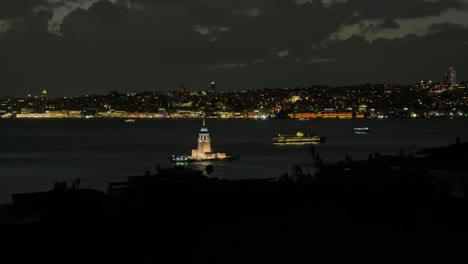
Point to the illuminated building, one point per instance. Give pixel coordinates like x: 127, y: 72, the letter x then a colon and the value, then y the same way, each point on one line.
x: 204, y: 151
x: 49, y: 114
x: 362, y: 108
x: 44, y: 94
x: 325, y: 115
x: 112, y: 114
x: 212, y: 87
x: 182, y: 88
x: 450, y: 76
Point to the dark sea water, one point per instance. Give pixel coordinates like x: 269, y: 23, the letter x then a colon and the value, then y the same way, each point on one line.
x: 36, y: 153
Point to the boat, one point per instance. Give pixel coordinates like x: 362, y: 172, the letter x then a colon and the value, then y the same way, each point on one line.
x: 131, y: 120
x: 181, y: 158
x: 360, y: 130
x: 298, y: 138
x: 190, y: 159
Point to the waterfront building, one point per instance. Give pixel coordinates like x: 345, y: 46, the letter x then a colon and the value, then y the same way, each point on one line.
x: 325, y: 115
x: 204, y: 150
x: 111, y: 114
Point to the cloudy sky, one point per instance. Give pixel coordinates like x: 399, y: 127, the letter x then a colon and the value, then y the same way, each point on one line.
x: 74, y: 47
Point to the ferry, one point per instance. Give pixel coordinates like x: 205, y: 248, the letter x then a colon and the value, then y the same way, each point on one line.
x: 360, y: 130
x: 190, y: 159
x: 298, y: 138
x: 129, y: 120
x: 181, y: 158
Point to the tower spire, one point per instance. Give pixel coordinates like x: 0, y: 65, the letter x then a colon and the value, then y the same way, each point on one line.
x: 204, y: 142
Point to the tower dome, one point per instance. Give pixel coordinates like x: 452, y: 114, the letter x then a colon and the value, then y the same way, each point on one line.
x: 204, y: 129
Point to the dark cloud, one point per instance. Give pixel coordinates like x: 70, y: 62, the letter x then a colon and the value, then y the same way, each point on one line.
x: 445, y: 27
x: 103, y: 22
x: 18, y: 8
x: 32, y: 25
x: 389, y: 23
x: 372, y: 9
x: 156, y: 44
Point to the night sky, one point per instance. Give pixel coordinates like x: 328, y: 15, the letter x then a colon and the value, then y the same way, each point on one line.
x: 74, y: 47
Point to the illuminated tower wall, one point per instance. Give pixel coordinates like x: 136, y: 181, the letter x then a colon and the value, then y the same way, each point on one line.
x: 204, y: 141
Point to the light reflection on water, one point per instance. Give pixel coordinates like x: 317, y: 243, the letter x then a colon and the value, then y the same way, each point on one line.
x: 35, y: 153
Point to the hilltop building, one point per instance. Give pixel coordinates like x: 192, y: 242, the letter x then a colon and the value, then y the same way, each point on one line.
x: 212, y: 87
x: 44, y: 94
x: 182, y: 89
x: 450, y: 76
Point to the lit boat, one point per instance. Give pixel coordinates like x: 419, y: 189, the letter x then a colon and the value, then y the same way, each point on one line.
x: 181, y: 158
x: 129, y: 120
x: 187, y: 159
x: 360, y: 130
x: 298, y: 138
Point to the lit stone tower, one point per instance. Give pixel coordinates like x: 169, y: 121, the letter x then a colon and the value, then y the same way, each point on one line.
x: 204, y: 151
x: 204, y: 141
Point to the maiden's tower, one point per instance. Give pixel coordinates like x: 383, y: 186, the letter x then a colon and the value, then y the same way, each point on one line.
x: 204, y: 151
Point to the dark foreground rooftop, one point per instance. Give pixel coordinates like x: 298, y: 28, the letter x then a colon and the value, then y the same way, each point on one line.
x: 377, y: 209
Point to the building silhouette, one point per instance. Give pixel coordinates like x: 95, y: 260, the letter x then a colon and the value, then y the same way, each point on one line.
x: 212, y: 87
x: 450, y: 76
x: 182, y: 89
x: 44, y: 95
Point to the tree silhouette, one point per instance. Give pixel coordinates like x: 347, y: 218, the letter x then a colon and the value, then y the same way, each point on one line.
x: 209, y: 169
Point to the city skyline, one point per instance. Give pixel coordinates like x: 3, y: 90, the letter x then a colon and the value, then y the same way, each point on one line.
x: 423, y: 100
x: 448, y: 77
x: 93, y: 47
x: 184, y: 130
